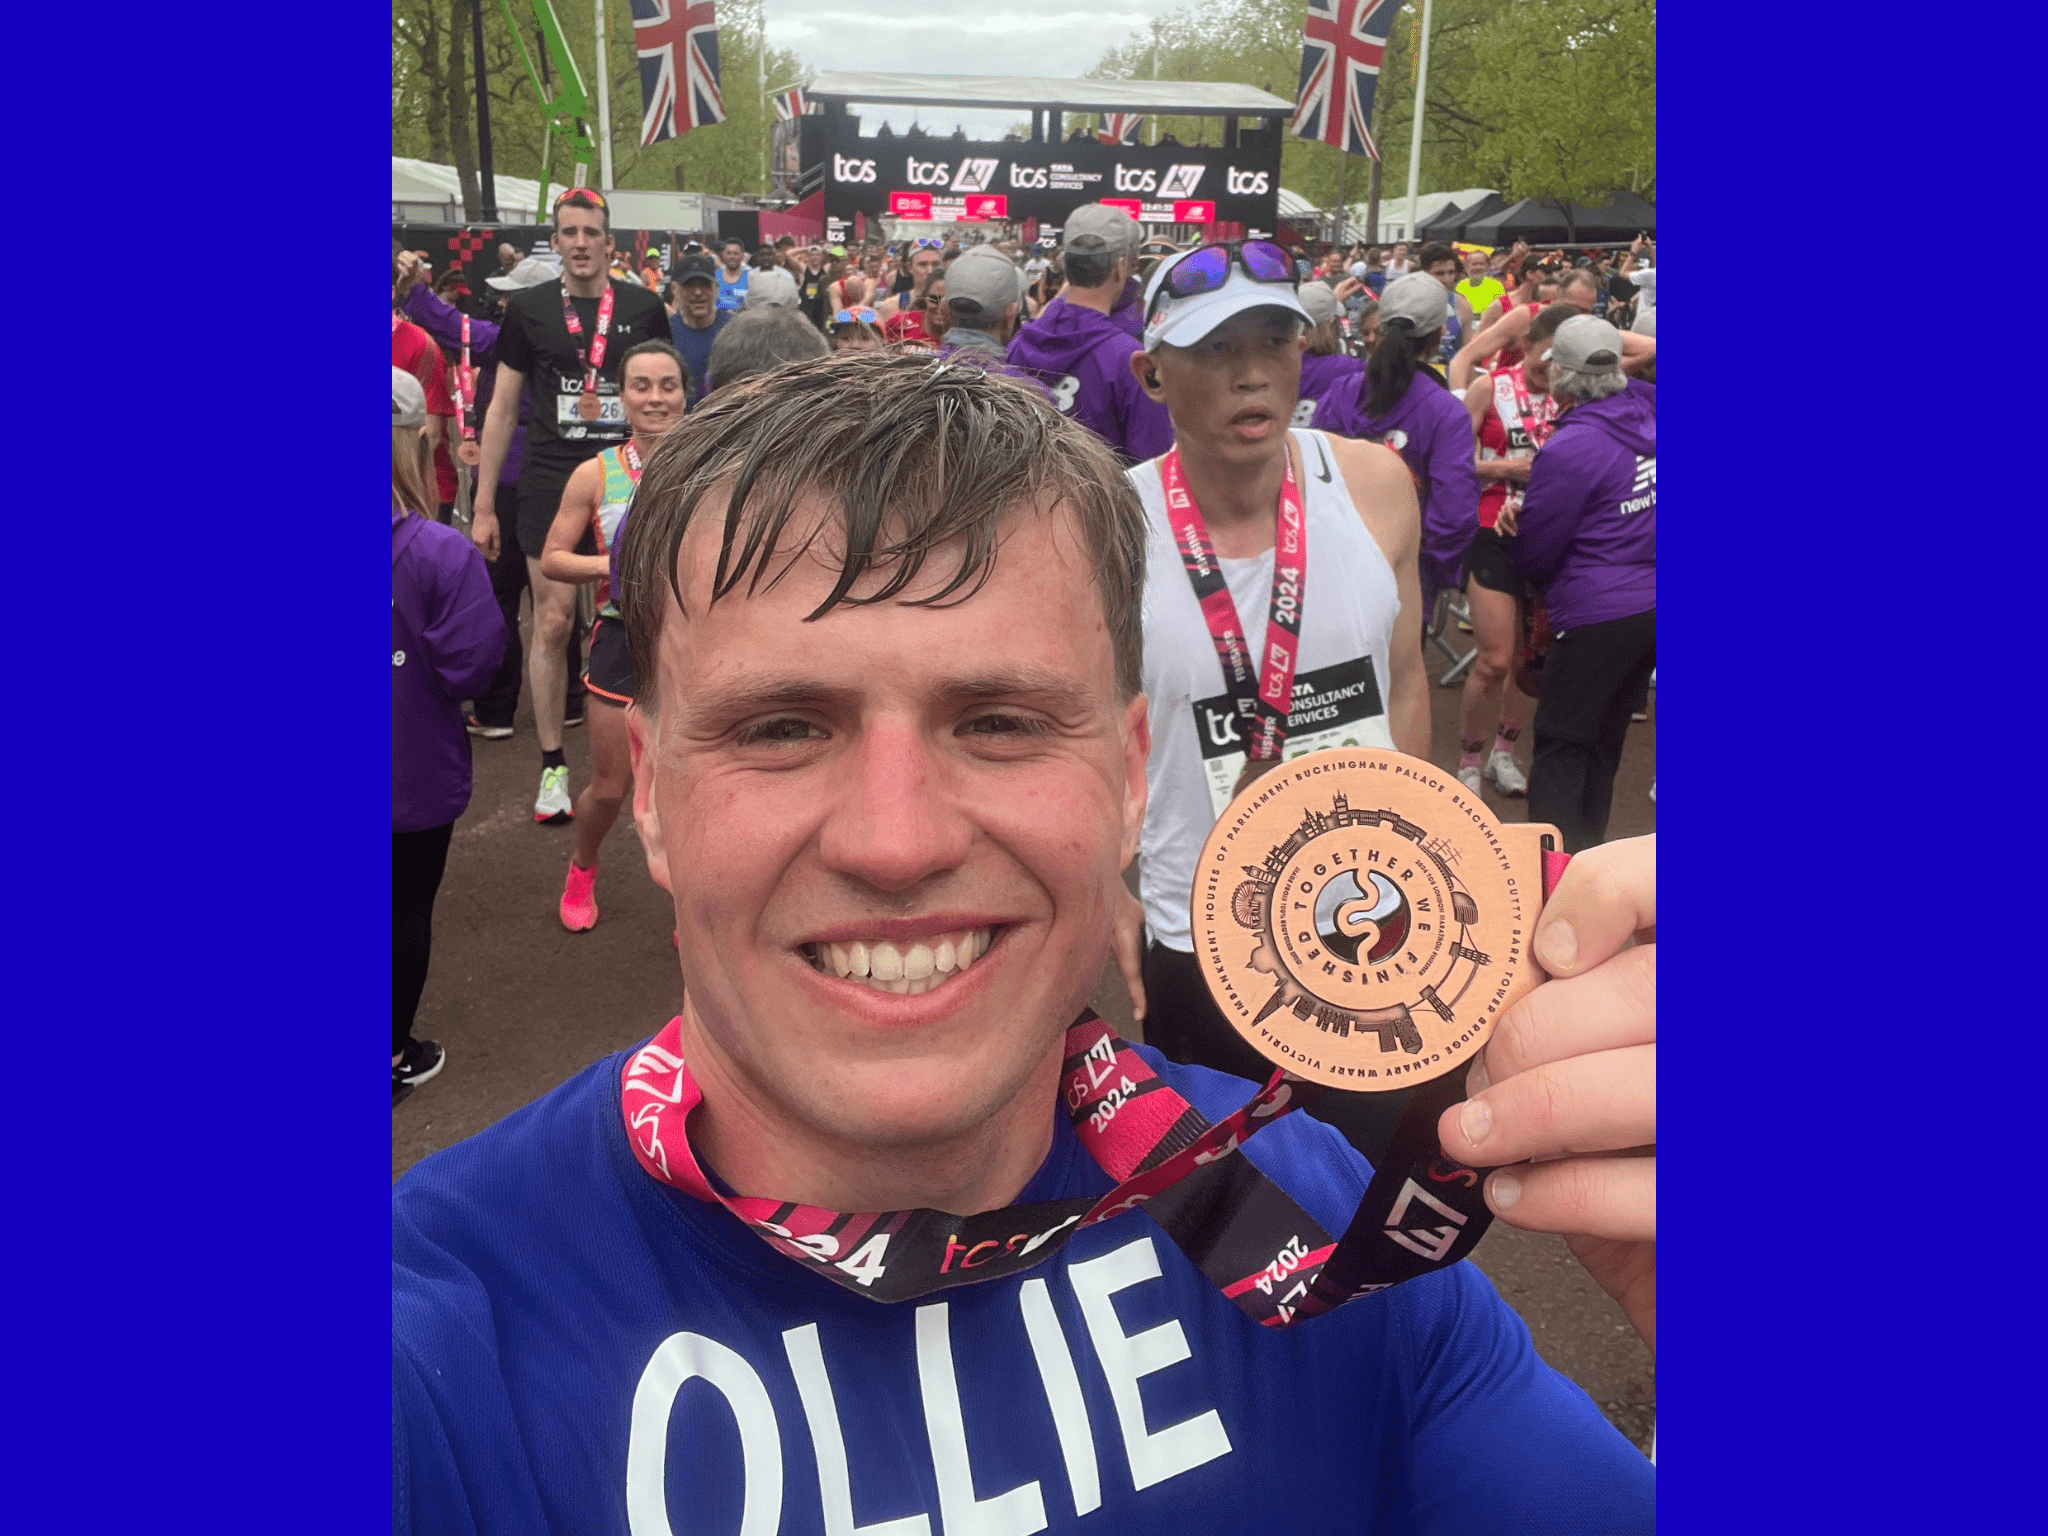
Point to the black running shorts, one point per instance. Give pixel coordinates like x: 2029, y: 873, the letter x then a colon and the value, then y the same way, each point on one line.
x: 609, y: 674
x: 1487, y: 563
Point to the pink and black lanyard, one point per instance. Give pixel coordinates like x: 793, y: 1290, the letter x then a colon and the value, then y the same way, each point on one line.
x: 597, y: 344
x: 1421, y: 1213
x: 1536, y: 428
x: 1264, y: 696
x: 465, y: 386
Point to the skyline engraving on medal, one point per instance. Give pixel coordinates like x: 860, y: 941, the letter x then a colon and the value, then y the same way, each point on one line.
x: 1359, y: 920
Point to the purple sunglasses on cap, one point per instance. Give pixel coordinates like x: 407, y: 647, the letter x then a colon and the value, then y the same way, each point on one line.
x: 1208, y: 268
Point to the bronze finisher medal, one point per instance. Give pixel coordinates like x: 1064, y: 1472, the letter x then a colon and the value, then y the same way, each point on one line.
x: 587, y: 406
x: 1363, y: 920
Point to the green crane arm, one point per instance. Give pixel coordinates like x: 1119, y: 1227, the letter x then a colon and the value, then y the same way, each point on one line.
x: 569, y: 105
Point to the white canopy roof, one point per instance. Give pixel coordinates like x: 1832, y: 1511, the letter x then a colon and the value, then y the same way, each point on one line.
x: 422, y: 181
x: 1172, y: 98
x: 1393, y: 210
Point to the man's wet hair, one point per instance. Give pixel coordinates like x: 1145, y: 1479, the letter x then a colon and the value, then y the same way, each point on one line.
x: 1435, y: 252
x: 757, y: 340
x: 906, y: 454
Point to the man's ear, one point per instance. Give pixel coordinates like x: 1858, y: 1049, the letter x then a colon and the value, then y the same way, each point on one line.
x: 640, y: 732
x: 1145, y: 369
x: 1137, y: 748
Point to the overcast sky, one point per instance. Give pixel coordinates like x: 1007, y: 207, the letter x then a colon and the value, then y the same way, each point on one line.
x: 1056, y: 38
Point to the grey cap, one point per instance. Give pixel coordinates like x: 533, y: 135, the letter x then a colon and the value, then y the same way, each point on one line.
x: 1094, y: 228
x: 772, y: 285
x: 1586, y: 344
x: 1320, y: 300
x: 1419, y: 300
x: 530, y: 272
x: 408, y: 400
x: 981, y: 284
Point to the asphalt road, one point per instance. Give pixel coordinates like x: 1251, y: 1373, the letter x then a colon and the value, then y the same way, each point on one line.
x: 522, y: 1005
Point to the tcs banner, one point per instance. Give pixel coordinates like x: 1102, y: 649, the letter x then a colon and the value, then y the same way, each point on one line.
x: 960, y: 180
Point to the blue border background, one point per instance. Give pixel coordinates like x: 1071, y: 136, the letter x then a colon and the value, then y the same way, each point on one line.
x: 1853, y: 1316
x: 200, y: 1260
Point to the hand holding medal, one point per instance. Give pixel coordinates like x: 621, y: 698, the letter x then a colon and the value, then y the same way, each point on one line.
x: 1570, y: 1077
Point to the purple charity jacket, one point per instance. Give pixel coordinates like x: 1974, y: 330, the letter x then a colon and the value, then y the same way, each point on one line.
x: 443, y: 321
x: 1330, y: 377
x: 1127, y: 312
x: 1084, y: 360
x: 1587, y: 534
x: 447, y: 638
x: 1430, y: 429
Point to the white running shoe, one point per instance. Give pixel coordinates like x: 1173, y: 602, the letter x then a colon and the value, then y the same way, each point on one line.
x: 553, y: 803
x: 1469, y: 777
x: 1507, y: 778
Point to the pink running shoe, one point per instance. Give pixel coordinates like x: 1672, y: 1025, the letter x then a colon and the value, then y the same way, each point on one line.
x: 579, y: 899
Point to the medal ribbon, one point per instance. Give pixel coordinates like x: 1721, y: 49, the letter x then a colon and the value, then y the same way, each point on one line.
x: 1420, y: 1213
x: 1266, y: 697
x: 1535, y: 425
x: 465, y: 386
x: 597, y: 344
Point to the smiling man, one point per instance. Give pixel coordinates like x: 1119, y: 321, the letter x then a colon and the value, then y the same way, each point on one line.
x: 889, y: 757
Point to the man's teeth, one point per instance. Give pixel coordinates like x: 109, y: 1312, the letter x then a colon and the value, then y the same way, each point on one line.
x: 906, y: 969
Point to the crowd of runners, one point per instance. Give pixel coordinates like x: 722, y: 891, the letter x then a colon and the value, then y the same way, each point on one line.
x: 1336, y: 455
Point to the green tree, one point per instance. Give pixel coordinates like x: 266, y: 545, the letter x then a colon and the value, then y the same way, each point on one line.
x: 432, y: 88
x: 1571, y: 87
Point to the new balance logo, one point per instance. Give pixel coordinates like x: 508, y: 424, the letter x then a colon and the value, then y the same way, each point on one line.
x: 1643, y: 494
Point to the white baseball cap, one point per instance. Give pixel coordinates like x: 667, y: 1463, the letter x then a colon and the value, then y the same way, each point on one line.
x: 1417, y: 300
x: 530, y: 272
x: 1586, y: 344
x: 772, y: 285
x: 408, y: 400
x: 1179, y: 322
x: 1320, y: 300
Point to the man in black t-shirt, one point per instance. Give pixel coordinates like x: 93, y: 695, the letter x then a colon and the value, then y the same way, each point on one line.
x: 574, y: 371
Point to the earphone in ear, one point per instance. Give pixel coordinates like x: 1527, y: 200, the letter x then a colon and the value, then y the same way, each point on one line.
x: 1151, y: 379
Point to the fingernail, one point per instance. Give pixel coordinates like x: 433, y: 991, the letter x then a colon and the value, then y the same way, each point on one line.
x: 1475, y: 1119
x: 1503, y: 1190
x: 1557, y: 947
x: 1476, y: 1080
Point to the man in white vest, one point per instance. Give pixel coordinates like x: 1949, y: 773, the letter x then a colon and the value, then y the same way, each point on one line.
x: 1223, y: 341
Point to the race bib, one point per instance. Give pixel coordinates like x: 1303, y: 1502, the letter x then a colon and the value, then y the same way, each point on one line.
x: 611, y: 412
x: 1335, y: 706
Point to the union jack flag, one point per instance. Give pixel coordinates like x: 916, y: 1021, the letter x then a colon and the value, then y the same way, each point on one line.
x: 1342, y: 43
x: 677, y: 41
x: 788, y: 104
x: 1120, y: 127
